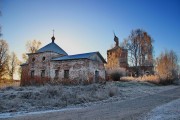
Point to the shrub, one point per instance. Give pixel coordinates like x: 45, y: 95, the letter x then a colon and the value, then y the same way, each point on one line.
x: 36, y: 80
x: 116, y: 74
x: 167, y: 67
x: 87, y: 82
x: 166, y: 81
x: 155, y: 79
x: 113, y: 91
x: 69, y: 82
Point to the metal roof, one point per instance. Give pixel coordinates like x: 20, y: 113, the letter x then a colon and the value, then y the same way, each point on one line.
x: 79, y: 56
x: 53, y: 47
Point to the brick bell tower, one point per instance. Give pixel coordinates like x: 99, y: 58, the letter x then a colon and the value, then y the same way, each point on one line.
x: 117, y: 56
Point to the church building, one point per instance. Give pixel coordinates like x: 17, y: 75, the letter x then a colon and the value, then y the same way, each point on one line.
x: 117, y: 57
x: 52, y: 64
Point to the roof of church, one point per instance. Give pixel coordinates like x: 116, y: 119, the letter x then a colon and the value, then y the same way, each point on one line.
x: 53, y: 47
x: 79, y: 56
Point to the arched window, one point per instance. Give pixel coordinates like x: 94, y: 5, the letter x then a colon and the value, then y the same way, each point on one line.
x: 66, y: 74
x: 43, y: 59
x: 33, y: 59
x: 96, y: 76
x: 32, y: 73
x: 56, y: 74
x: 42, y: 73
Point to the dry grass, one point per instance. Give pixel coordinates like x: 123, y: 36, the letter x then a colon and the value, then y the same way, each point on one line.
x: 35, y: 98
x: 151, y: 78
x: 9, y: 83
x: 49, y: 97
x: 36, y: 80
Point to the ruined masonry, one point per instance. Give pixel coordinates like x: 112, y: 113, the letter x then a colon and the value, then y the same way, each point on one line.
x: 52, y: 63
x: 117, y: 56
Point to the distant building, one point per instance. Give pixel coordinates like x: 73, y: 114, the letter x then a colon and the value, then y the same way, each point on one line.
x: 52, y: 63
x: 140, y: 70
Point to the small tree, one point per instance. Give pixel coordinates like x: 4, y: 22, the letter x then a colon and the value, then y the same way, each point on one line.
x: 167, y: 66
x: 3, y: 58
x: 13, y: 64
x: 33, y: 46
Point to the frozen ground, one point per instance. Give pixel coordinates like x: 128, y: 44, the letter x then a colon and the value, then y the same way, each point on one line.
x: 23, y: 100
x: 169, y: 111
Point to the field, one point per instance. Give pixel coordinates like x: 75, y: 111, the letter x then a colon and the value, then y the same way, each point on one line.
x: 48, y: 97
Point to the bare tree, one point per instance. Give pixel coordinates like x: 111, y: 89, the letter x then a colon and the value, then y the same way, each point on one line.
x: 167, y: 66
x: 24, y: 57
x: 19, y: 70
x: 13, y: 65
x: 3, y: 58
x: 33, y: 46
x: 140, y: 49
x: 0, y: 27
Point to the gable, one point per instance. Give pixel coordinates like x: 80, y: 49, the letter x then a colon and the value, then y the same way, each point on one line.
x: 95, y: 57
x: 52, y: 47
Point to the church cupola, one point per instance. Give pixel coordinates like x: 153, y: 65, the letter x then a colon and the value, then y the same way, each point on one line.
x: 116, y: 39
x: 53, y: 38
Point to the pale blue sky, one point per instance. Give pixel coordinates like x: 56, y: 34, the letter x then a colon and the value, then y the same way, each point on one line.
x: 87, y: 25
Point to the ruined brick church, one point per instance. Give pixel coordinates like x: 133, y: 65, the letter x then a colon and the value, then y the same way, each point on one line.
x: 52, y: 63
x: 117, y: 57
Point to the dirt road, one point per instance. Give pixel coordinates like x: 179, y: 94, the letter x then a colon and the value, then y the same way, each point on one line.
x: 129, y: 109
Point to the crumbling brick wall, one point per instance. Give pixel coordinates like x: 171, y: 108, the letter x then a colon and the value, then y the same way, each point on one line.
x: 117, y: 57
x: 37, y: 62
x: 80, y: 70
x: 24, y: 75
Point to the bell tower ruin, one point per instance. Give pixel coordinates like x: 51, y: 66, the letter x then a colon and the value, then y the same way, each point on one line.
x: 117, y: 56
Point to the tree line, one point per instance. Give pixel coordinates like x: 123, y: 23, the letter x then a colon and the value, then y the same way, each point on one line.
x: 140, y: 53
x: 9, y: 62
